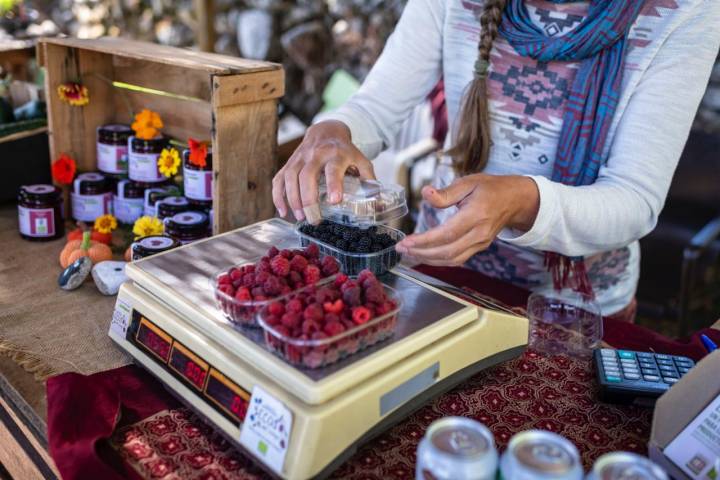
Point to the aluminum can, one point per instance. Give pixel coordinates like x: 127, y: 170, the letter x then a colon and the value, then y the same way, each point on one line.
x: 538, y: 454
x: 625, y: 466
x: 456, y: 448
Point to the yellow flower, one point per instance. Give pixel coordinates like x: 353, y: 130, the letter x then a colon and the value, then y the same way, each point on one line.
x: 105, y: 223
x: 146, y: 226
x: 73, y: 93
x: 169, y: 162
x: 147, y: 125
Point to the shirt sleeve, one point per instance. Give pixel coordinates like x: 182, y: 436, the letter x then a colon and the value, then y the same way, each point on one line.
x: 624, y: 202
x: 404, y: 74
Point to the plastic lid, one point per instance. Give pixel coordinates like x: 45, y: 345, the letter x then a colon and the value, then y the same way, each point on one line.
x: 364, y: 203
x: 187, y: 221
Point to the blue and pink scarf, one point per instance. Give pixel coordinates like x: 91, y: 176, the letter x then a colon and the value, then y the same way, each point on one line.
x: 598, y: 43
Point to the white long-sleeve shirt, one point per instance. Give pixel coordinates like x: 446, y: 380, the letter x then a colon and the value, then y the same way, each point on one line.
x: 671, y: 49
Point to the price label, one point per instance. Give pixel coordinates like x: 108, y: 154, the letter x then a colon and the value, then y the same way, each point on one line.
x: 120, y: 318
x: 266, y: 429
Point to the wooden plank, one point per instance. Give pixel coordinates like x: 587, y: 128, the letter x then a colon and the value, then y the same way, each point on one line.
x: 253, y: 87
x: 173, y: 79
x: 211, y: 62
x: 20, y: 135
x: 205, y: 30
x: 244, y: 163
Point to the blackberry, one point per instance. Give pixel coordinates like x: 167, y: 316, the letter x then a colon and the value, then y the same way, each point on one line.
x: 363, y: 249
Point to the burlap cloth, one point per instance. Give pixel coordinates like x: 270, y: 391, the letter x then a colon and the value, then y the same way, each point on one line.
x: 44, y: 329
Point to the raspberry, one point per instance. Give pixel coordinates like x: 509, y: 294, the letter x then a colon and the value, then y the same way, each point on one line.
x: 257, y: 292
x: 310, y: 326
x: 243, y: 294
x: 325, y: 294
x: 249, y: 268
x: 259, y: 298
x: 276, y: 308
x: 311, y: 274
x: 348, y: 284
x: 295, y: 278
x: 280, y: 266
x: 330, y: 266
x: 227, y: 290
x: 319, y: 336
x: 291, y: 320
x: 285, y: 290
x: 287, y: 254
x: 383, y: 308
x: 340, y: 279
x: 375, y: 294
x: 351, y: 296
x: 282, y: 330
x: 313, y: 312
x: 364, y: 275
x: 298, y: 263
x: 312, y: 251
x: 224, y: 279
x: 235, y: 274
x: 272, y: 286
x: 334, y: 328
x: 336, y: 307
x: 272, y: 252
x: 272, y: 320
x: 294, y: 305
x: 360, y: 315
x: 263, y: 267
x: 248, y: 280
x: 331, y: 317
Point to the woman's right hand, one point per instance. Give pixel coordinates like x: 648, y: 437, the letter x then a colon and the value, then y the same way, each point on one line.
x: 327, y: 147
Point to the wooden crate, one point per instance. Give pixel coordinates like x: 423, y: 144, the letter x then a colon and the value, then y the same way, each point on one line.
x: 233, y: 101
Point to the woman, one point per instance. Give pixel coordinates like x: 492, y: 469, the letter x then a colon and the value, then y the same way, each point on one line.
x: 568, y: 120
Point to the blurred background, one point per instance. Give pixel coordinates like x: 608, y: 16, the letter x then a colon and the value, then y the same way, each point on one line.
x: 327, y: 48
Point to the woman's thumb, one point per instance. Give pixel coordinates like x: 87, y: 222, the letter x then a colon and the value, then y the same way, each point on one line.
x: 447, y: 197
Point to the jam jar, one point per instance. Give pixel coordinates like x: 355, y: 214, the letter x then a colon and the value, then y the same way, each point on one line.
x: 155, y: 194
x: 112, y: 149
x: 128, y: 201
x: 152, y: 245
x: 91, y: 197
x: 169, y: 206
x: 40, y: 213
x: 197, y: 181
x: 143, y: 159
x: 187, y: 227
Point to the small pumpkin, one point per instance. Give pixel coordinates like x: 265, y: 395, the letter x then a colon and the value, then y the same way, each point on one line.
x: 77, y: 234
x: 128, y: 254
x: 86, y: 247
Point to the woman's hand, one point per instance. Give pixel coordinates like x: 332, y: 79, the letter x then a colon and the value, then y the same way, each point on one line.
x: 487, y: 204
x: 327, y: 146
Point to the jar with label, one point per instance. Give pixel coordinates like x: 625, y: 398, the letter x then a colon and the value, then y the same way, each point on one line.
x: 91, y: 197
x: 154, y: 195
x: 169, y: 206
x: 40, y: 213
x: 128, y: 201
x: 151, y: 245
x: 197, y: 181
x: 112, y: 148
x: 143, y: 159
x: 187, y: 227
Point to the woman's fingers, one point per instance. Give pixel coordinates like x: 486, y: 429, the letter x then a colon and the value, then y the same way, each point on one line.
x: 292, y: 189
x: 444, y: 234
x: 447, y: 197
x: 278, y: 193
x: 452, y: 253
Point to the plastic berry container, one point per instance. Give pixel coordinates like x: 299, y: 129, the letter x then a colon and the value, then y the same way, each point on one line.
x: 365, y: 203
x: 353, y: 263
x: 319, y: 353
x: 244, y: 312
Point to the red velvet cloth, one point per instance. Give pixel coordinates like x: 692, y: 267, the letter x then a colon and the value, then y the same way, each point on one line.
x: 529, y: 392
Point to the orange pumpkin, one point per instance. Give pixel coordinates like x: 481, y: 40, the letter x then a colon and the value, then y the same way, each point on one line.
x: 86, y: 247
x: 77, y: 234
x: 128, y: 254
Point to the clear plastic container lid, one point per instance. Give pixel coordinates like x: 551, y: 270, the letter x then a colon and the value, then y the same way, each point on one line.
x: 365, y: 202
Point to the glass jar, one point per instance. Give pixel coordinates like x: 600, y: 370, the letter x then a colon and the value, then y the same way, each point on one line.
x: 112, y: 148
x: 91, y: 197
x: 155, y: 194
x: 40, y: 213
x: 143, y: 159
x: 128, y: 201
x: 151, y: 245
x: 169, y: 206
x: 187, y: 227
x: 197, y: 181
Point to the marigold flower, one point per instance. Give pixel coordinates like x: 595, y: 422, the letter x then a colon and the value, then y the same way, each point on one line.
x: 198, y: 153
x: 63, y: 169
x: 169, y: 162
x: 73, y: 93
x: 147, y: 125
x: 105, y: 223
x: 146, y: 226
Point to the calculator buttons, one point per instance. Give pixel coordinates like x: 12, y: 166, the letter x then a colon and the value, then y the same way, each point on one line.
x: 624, y: 354
x: 683, y: 371
x: 670, y: 380
x: 632, y: 376
x: 662, y: 356
x: 645, y: 355
x: 651, y: 378
x: 661, y: 362
x: 669, y: 375
x: 607, y: 353
x: 613, y: 379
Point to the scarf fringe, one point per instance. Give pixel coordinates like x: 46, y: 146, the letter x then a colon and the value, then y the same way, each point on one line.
x: 569, y: 272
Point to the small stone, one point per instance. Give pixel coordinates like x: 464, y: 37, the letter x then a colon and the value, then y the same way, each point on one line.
x: 75, y: 274
x: 109, y: 276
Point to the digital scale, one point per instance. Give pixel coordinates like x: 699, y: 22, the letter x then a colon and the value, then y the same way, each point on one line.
x: 166, y: 319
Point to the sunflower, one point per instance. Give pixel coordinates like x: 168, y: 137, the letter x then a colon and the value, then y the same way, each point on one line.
x: 146, y: 226
x: 169, y: 162
x: 74, y: 93
x: 105, y: 223
x: 147, y: 125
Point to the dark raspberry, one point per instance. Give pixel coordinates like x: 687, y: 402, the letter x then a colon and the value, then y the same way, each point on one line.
x: 340, y: 279
x: 235, y: 274
x: 324, y: 294
x: 276, y: 308
x: 285, y: 290
x: 224, y: 279
x: 272, y: 252
x: 227, y: 290
x: 352, y: 296
x: 295, y: 305
x: 291, y: 320
x: 272, y: 320
x: 330, y: 266
x: 261, y: 277
x: 263, y: 267
x: 313, y: 312
x: 331, y: 317
x: 364, y: 275
x: 295, y: 278
x: 319, y: 336
x: 248, y: 280
x: 237, y: 283
x: 334, y: 329
x: 286, y: 254
x: 272, y: 286
x: 280, y: 265
x: 383, y: 308
x: 310, y: 326
x: 257, y: 292
x: 349, y: 283
x: 312, y: 251
x: 259, y: 298
x: 361, y: 315
x: 375, y: 294
x: 298, y: 263
x: 334, y: 307
x: 243, y: 294
x: 282, y: 330
x: 311, y: 274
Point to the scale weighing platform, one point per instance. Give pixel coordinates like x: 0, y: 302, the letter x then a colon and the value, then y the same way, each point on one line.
x: 166, y: 319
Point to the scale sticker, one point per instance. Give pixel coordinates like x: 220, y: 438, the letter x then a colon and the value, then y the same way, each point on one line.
x: 154, y: 339
x: 120, y: 318
x: 266, y: 430
x: 188, y: 365
x: 232, y: 399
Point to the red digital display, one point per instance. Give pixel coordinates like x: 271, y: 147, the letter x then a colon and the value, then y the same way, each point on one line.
x: 153, y: 341
x: 182, y: 363
x: 224, y: 395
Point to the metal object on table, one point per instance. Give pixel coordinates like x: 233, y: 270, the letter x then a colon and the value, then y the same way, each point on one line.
x: 540, y: 454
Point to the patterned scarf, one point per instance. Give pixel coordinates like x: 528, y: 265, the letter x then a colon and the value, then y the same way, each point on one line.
x: 599, y: 44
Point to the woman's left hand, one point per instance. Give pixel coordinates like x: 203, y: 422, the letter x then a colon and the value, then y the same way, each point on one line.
x: 487, y: 204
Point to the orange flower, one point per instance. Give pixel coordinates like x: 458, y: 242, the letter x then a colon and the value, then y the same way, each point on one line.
x: 63, y: 169
x: 73, y: 93
x: 198, y: 153
x: 147, y: 125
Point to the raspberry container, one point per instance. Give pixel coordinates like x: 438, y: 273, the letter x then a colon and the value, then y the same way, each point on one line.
x: 319, y: 353
x: 244, y: 312
x: 365, y: 203
x: 353, y: 263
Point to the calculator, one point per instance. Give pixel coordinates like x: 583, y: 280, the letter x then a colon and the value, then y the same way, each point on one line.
x: 626, y: 376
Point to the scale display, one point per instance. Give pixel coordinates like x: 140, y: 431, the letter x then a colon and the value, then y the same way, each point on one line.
x: 209, y: 384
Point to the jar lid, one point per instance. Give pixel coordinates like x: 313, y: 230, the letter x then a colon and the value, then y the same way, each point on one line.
x: 169, y: 206
x: 365, y: 202
x: 187, y: 221
x: 92, y: 179
x: 39, y: 192
x: 154, y: 244
x: 115, y: 131
x: 208, y: 158
x: 130, y: 189
x: 157, y: 142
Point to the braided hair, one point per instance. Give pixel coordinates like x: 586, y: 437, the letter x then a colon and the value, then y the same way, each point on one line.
x: 472, y: 136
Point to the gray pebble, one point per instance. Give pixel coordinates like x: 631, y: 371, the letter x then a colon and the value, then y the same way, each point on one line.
x: 75, y: 274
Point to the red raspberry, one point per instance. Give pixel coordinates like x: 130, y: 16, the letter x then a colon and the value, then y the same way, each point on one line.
x: 295, y: 278
x: 319, y: 336
x: 291, y: 320
x: 285, y: 290
x: 273, y: 251
x: 365, y: 274
x: 336, y: 307
x: 272, y: 286
x: 311, y: 274
x: 348, y: 284
x: 375, y: 294
x: 259, y: 298
x: 352, y: 296
x: 361, y: 315
x: 248, y: 280
x: 331, y: 317
x: 261, y: 277
x: 250, y: 268
x: 235, y: 274
x: 349, y: 324
x: 272, y: 320
x: 276, y: 308
x: 263, y: 267
x: 227, y: 290
x: 243, y: 294
x: 294, y: 305
x: 334, y: 328
x: 383, y: 308
x: 282, y: 330
x: 298, y: 263
x: 312, y: 251
x: 310, y: 326
x: 224, y: 279
x: 330, y: 266
x: 280, y: 266
x: 325, y: 294
x: 340, y: 279
x: 257, y: 292
x: 313, y: 312
x: 286, y: 254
